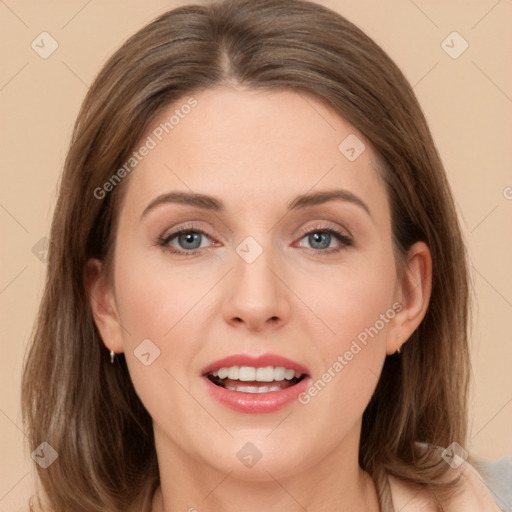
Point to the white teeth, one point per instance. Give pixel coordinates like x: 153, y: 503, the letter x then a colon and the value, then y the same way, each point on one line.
x: 265, y: 374
x: 223, y: 373
x: 233, y: 373
x: 247, y: 373
x: 250, y: 373
x: 280, y: 372
x: 289, y: 374
x: 254, y: 389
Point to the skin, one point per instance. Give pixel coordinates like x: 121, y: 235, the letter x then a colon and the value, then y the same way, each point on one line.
x: 257, y: 151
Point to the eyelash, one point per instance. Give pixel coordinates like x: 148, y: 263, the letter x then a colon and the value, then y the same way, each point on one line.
x: 346, y: 241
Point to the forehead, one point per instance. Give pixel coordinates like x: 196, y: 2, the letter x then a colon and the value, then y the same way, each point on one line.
x: 253, y: 148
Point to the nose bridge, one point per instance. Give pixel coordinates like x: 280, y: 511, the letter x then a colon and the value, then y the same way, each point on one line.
x: 257, y: 294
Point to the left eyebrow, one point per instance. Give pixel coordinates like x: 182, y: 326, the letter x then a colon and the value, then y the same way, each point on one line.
x: 316, y: 198
x: 216, y: 205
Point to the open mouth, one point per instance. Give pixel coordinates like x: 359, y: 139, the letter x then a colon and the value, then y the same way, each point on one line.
x: 255, y: 380
x: 269, y: 384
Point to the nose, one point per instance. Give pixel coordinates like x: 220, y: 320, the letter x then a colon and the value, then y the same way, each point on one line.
x: 257, y: 296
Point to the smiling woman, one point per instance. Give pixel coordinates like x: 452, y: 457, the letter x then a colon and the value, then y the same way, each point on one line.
x: 282, y: 278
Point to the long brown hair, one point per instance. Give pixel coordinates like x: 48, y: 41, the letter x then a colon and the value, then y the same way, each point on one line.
x: 87, y: 409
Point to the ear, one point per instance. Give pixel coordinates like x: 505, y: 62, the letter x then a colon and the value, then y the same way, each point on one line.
x: 413, y: 294
x: 103, y: 305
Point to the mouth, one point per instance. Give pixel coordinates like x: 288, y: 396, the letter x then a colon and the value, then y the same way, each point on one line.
x: 255, y: 384
x: 250, y: 379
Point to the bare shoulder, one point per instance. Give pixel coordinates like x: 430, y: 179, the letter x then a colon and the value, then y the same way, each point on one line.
x: 474, y: 495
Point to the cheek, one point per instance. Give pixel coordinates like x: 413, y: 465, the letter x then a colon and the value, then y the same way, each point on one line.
x: 152, y: 295
x: 160, y: 302
x: 350, y: 297
x: 153, y: 303
x: 355, y: 308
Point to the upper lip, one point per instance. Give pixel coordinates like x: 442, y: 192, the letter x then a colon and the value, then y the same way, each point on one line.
x: 255, y: 361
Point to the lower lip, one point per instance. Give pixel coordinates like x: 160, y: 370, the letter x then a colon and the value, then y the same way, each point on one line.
x: 256, y: 403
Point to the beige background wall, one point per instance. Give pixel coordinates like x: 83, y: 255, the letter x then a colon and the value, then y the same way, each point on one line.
x: 467, y: 100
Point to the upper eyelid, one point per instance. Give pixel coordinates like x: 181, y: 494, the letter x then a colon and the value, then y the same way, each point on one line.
x: 318, y: 225
x: 186, y: 228
x: 321, y: 225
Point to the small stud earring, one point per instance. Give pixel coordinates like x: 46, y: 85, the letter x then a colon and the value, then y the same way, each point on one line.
x: 112, y: 355
x: 399, y: 349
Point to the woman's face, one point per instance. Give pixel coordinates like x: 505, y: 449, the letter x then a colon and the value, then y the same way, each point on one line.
x: 260, y: 275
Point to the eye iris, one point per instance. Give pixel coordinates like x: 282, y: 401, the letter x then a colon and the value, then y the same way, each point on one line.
x: 314, y: 239
x: 190, y: 238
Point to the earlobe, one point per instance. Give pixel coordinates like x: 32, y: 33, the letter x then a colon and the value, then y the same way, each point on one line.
x: 103, y: 307
x: 413, y: 294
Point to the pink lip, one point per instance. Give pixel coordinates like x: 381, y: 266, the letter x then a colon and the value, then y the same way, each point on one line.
x: 256, y: 361
x: 270, y: 401
x: 255, y: 403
